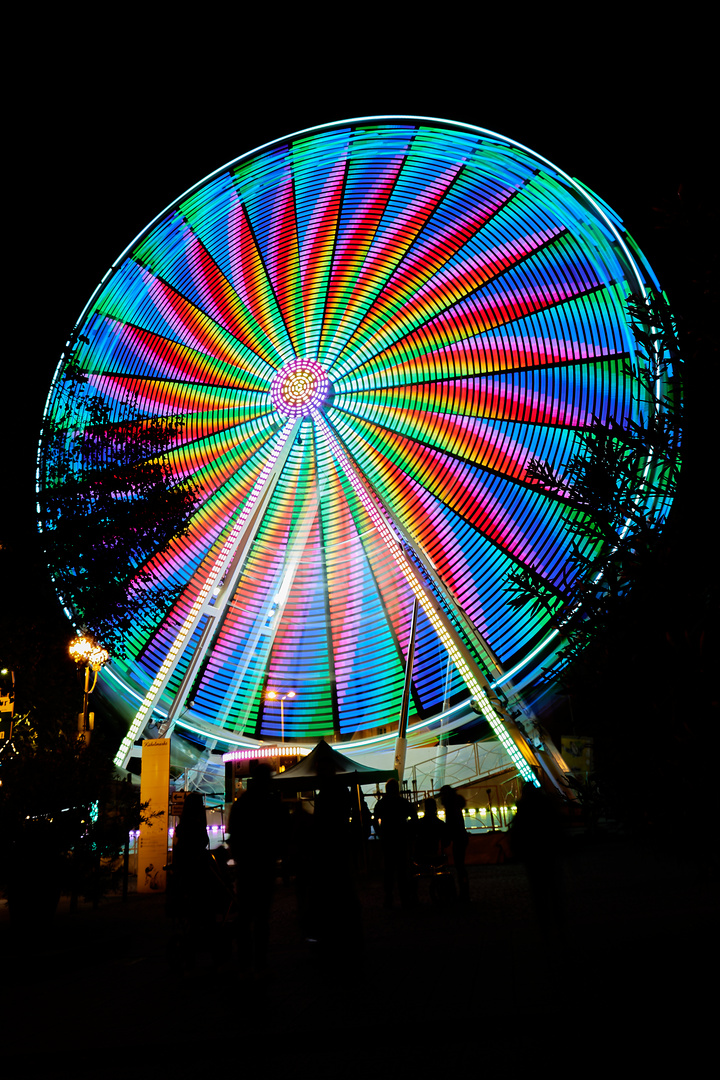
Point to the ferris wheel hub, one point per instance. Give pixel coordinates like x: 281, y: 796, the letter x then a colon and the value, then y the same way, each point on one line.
x: 299, y: 387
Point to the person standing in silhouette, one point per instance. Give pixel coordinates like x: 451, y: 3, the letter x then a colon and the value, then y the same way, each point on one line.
x: 255, y: 843
x: 335, y: 906
x: 454, y: 804
x: 192, y: 880
x: 395, y: 820
x: 536, y: 838
x: 431, y: 837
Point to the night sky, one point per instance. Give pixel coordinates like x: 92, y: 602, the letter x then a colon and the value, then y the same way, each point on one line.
x: 107, y: 128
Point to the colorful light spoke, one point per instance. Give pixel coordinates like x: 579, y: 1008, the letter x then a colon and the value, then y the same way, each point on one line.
x: 401, y: 306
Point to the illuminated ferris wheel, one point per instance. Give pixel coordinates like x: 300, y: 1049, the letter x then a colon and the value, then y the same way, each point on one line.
x: 368, y: 329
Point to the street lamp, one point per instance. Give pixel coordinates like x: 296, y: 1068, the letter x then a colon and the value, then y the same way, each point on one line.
x: 83, y: 650
x: 272, y: 695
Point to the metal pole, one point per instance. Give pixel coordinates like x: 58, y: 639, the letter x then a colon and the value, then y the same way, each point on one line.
x: 492, y: 819
x: 86, y: 701
x: 401, y: 741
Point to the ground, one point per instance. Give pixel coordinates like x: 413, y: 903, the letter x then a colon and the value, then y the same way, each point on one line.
x: 431, y: 988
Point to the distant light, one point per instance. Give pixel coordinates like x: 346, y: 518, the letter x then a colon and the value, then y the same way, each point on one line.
x: 266, y: 751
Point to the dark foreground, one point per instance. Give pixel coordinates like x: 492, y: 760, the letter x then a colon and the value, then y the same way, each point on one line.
x: 450, y: 991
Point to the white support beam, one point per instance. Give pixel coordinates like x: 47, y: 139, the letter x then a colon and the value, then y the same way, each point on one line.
x: 502, y: 724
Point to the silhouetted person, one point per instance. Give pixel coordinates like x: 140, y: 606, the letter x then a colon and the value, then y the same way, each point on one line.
x: 362, y: 818
x: 191, y: 838
x: 32, y: 870
x: 535, y: 838
x: 395, y: 818
x: 453, y: 804
x: 255, y: 843
x: 334, y: 921
x: 192, y: 877
x: 431, y: 839
x: 431, y: 836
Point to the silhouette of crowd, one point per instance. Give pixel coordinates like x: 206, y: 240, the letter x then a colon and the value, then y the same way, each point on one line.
x: 321, y: 847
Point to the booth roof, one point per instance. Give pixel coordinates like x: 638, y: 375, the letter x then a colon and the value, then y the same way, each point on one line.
x: 325, y: 763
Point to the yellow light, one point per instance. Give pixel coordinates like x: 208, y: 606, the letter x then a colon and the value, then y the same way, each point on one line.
x: 84, y: 651
x: 80, y: 649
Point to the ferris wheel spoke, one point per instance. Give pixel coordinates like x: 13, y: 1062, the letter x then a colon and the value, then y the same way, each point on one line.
x: 163, y: 359
x: 476, y: 682
x: 228, y: 562
x: 428, y: 474
x: 201, y: 293
x: 248, y: 273
x: 440, y: 272
x: 385, y: 256
x: 318, y: 207
x: 365, y: 195
x: 210, y: 525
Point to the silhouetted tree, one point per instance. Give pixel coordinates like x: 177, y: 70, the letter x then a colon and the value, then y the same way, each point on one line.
x: 109, y: 503
x: 64, y: 816
x: 615, y: 490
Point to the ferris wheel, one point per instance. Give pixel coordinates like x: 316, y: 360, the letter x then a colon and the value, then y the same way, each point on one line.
x: 368, y: 330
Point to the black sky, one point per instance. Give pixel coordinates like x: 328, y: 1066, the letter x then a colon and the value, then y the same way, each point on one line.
x: 111, y: 124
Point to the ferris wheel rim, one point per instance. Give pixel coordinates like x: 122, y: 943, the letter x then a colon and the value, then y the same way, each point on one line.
x: 579, y: 189
x: 379, y: 118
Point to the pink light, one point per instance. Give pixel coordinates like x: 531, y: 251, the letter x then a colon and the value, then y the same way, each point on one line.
x: 299, y: 387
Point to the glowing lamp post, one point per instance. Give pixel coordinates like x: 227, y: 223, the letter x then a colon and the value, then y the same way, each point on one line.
x: 84, y: 651
x: 272, y: 695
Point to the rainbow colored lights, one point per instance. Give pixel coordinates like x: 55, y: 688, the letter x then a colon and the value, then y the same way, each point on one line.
x: 405, y: 307
x: 457, y: 655
x: 299, y: 387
